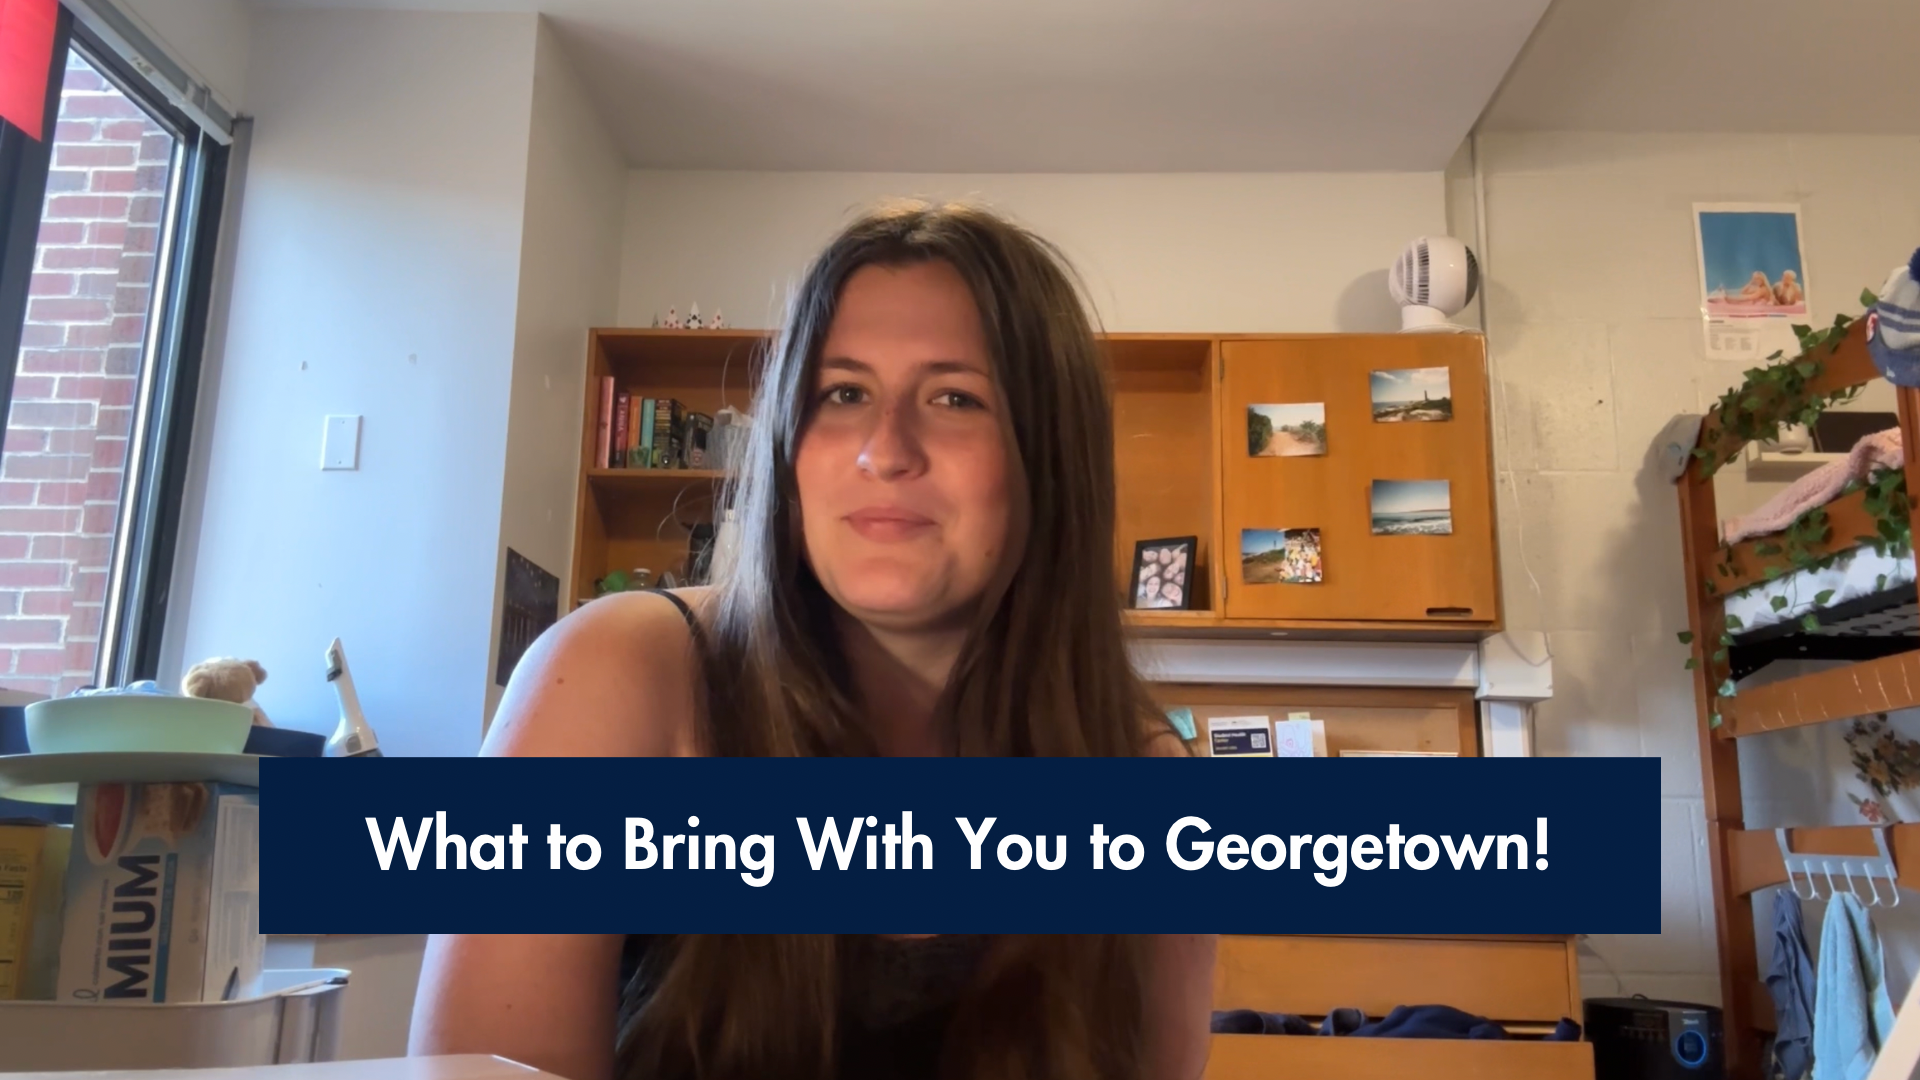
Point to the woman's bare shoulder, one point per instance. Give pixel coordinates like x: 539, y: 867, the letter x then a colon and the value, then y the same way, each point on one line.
x: 615, y: 677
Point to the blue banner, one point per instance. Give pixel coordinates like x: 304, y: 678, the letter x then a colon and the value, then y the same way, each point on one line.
x: 960, y: 845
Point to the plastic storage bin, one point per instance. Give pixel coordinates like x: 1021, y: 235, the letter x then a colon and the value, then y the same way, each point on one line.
x: 295, y: 1019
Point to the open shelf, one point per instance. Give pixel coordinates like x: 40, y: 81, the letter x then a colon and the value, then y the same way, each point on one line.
x: 619, y: 479
x: 1164, y: 461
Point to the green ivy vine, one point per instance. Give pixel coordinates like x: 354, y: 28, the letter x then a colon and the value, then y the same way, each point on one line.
x: 1768, y: 398
x: 1776, y: 395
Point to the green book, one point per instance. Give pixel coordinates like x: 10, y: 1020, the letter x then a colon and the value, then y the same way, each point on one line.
x: 643, y: 450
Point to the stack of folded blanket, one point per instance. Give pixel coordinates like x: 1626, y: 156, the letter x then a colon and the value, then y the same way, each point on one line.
x: 1404, y: 1022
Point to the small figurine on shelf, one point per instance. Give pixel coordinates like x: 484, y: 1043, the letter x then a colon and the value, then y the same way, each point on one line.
x: 228, y: 679
x: 673, y: 319
x: 717, y: 322
x: 693, y: 317
x: 656, y: 320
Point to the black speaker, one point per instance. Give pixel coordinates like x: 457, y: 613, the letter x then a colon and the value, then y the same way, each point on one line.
x: 1639, y: 1038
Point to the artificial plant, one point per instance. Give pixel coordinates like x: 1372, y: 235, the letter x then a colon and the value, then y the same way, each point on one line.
x: 1754, y: 411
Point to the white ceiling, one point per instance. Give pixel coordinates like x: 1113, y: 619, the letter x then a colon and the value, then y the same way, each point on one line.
x: 1736, y: 66
x: 1034, y: 85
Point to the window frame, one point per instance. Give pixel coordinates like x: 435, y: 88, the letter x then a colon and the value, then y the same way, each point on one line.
x: 148, y: 522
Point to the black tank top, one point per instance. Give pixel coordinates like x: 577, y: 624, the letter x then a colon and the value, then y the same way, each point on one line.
x: 897, y: 995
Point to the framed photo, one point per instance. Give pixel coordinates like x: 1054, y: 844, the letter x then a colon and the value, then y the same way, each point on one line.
x: 1163, y: 574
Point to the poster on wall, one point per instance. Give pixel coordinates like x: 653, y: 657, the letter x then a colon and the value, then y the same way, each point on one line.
x: 1753, y: 280
x: 529, y: 604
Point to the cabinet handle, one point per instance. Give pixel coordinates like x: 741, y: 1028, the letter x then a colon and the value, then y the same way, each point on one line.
x: 1449, y: 613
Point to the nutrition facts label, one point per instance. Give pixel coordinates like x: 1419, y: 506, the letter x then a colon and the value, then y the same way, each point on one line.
x: 14, y: 878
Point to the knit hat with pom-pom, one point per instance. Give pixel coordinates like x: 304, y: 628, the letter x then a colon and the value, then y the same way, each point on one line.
x: 1893, y: 326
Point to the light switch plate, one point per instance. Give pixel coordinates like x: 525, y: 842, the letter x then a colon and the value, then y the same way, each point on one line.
x: 340, y: 445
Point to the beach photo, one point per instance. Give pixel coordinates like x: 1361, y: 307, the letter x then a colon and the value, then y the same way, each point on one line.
x: 1412, y: 395
x: 1163, y: 573
x: 1280, y: 556
x: 1750, y: 261
x: 1287, y: 430
x: 1412, y: 508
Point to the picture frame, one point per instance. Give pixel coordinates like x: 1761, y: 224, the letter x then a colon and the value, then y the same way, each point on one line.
x: 1163, y: 574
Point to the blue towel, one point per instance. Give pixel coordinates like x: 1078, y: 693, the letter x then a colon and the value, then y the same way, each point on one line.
x: 1790, y: 982
x: 1431, y: 1022
x: 1852, y: 1011
x: 1254, y: 1022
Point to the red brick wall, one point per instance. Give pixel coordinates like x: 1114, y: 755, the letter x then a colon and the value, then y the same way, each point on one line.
x: 75, y: 384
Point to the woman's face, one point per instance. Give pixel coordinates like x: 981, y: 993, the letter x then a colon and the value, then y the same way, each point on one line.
x: 905, y: 498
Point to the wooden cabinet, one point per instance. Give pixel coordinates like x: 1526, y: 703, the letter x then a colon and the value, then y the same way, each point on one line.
x: 1184, y: 467
x: 1399, y: 503
x: 1525, y: 983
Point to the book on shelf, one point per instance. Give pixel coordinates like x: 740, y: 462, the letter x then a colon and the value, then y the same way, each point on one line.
x: 640, y: 455
x: 620, y: 425
x: 664, y: 444
x: 639, y: 432
x: 698, y: 427
x: 604, y: 444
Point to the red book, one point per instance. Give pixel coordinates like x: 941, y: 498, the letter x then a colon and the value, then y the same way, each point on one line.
x: 604, y: 445
x: 620, y: 428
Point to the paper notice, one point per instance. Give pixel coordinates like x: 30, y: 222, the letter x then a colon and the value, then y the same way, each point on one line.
x: 1240, y: 736
x: 1293, y: 738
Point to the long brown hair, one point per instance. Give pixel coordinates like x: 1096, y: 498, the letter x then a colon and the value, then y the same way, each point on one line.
x: 1044, y: 671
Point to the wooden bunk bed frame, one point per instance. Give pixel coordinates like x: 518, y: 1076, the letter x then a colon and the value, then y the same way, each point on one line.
x: 1743, y: 860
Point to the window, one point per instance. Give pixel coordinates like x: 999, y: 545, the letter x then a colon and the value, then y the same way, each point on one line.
x: 123, y: 192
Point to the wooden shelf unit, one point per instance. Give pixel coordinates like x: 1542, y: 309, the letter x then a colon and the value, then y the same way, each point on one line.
x: 632, y: 518
x: 1181, y: 469
x: 1746, y: 860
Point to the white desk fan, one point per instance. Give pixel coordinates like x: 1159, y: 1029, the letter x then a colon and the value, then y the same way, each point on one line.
x: 1435, y: 278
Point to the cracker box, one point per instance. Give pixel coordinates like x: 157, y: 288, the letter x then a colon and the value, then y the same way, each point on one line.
x: 33, y: 867
x: 163, y: 894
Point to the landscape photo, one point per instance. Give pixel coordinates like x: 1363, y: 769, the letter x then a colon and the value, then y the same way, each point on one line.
x: 1412, y: 395
x: 1280, y: 556
x: 1287, y: 430
x: 1412, y: 508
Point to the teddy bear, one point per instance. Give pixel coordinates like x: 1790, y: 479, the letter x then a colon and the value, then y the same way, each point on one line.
x: 227, y: 679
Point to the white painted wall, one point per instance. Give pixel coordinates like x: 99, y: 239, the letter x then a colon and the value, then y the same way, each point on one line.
x: 569, y: 282
x: 1463, y: 222
x: 1594, y: 324
x: 1160, y: 253
x: 377, y: 273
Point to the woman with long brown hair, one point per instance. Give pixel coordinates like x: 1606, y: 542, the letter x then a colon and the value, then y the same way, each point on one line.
x: 924, y: 519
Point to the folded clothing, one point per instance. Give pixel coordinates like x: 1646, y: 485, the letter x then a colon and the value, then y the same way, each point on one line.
x: 1251, y: 1022
x: 1879, y: 450
x: 1404, y: 1022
